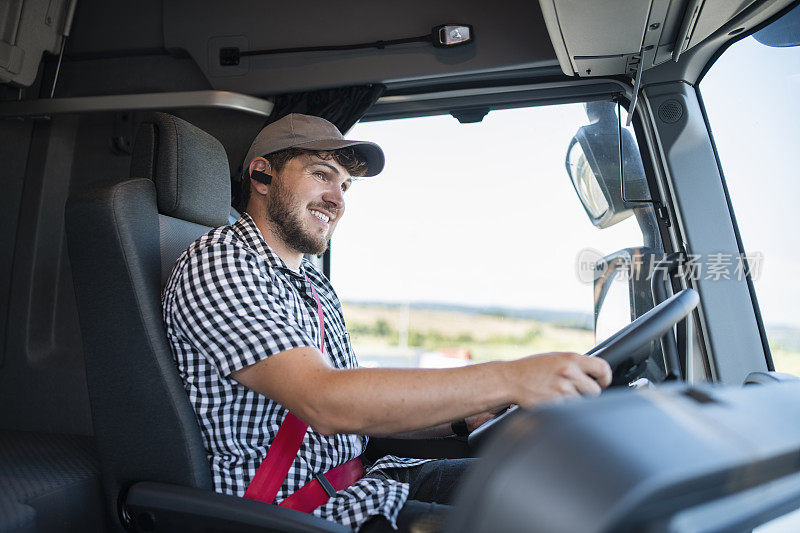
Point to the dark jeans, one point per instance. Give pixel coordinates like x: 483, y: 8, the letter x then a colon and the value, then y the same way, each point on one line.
x: 432, y: 486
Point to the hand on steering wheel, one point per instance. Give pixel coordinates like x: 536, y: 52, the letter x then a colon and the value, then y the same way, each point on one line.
x: 622, y: 349
x: 475, y: 421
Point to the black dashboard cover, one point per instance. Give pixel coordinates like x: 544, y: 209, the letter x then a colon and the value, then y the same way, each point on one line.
x: 631, y: 460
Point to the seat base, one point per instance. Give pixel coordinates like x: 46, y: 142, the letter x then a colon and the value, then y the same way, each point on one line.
x: 154, y: 507
x: 49, y: 482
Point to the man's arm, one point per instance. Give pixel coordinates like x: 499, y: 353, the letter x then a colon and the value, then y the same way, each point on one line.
x: 387, y: 401
x: 435, y: 432
x: 446, y: 430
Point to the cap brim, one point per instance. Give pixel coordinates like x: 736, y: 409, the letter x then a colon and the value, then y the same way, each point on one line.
x: 371, y: 152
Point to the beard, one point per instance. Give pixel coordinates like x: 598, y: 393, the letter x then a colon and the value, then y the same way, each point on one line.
x: 285, y: 214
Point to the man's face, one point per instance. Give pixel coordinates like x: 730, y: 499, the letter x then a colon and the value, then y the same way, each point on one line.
x: 306, y: 201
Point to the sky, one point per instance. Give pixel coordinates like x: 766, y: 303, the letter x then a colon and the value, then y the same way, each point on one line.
x: 476, y: 214
x: 485, y: 214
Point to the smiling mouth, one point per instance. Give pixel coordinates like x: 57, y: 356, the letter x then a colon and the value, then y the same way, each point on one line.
x: 321, y: 216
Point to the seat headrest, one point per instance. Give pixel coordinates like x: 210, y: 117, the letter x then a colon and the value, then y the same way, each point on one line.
x: 189, y: 167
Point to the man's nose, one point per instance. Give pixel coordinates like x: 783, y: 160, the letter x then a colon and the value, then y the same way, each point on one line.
x: 334, y: 195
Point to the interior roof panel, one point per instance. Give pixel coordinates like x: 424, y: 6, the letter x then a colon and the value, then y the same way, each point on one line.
x: 113, y: 26
x: 511, y: 37
x: 511, y: 42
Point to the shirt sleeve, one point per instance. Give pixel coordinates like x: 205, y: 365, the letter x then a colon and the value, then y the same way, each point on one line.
x: 231, y: 312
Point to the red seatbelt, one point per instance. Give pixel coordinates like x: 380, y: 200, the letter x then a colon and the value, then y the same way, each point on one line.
x: 315, y: 493
x: 275, y: 467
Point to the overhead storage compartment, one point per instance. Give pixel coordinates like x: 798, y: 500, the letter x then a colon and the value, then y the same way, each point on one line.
x: 611, y: 37
x: 27, y: 29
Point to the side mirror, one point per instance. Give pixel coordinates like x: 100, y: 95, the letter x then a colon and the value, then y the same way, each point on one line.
x: 622, y: 293
x: 782, y: 33
x: 605, y: 167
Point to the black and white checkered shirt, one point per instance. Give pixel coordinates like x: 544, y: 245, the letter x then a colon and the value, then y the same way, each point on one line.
x: 231, y: 302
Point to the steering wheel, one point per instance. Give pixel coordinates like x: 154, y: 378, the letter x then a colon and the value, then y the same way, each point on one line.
x: 622, y: 350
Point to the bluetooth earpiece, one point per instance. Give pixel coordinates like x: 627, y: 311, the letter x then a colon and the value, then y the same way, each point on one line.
x: 262, y: 177
x: 259, y: 175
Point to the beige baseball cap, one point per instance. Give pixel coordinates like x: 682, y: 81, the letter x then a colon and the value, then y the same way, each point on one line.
x: 310, y: 133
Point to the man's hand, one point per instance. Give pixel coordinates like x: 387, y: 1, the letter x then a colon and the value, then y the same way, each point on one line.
x: 557, y: 375
x: 552, y: 377
x: 476, y: 421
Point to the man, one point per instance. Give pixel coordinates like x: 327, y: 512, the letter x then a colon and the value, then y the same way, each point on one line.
x: 258, y: 332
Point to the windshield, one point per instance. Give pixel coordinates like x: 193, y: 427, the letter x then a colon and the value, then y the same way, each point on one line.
x: 468, y: 246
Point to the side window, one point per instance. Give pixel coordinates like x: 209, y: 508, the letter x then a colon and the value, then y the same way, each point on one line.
x: 469, y: 247
x: 751, y: 98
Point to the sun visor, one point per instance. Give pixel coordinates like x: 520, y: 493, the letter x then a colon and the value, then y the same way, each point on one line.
x: 612, y: 37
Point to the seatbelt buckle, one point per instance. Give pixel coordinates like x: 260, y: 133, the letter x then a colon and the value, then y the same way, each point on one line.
x: 326, y: 485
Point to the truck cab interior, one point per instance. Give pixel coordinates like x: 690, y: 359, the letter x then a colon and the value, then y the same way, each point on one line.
x: 123, y: 127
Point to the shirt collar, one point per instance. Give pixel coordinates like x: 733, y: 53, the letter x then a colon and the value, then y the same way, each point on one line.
x: 249, y: 232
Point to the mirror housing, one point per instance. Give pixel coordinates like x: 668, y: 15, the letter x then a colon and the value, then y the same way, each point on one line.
x: 784, y: 32
x: 593, y: 165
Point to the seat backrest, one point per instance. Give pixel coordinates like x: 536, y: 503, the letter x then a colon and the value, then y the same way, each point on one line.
x: 124, y: 237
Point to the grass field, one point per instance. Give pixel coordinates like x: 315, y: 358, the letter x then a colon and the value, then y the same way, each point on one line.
x: 378, y: 330
x: 487, y: 337
x: 786, y: 361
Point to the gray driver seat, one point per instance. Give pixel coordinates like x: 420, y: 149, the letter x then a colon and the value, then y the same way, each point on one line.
x: 124, y: 237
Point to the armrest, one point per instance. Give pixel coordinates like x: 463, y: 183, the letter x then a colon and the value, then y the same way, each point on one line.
x: 162, y: 507
x: 443, y: 448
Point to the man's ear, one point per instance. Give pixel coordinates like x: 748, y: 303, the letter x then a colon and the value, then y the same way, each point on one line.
x: 260, y: 172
